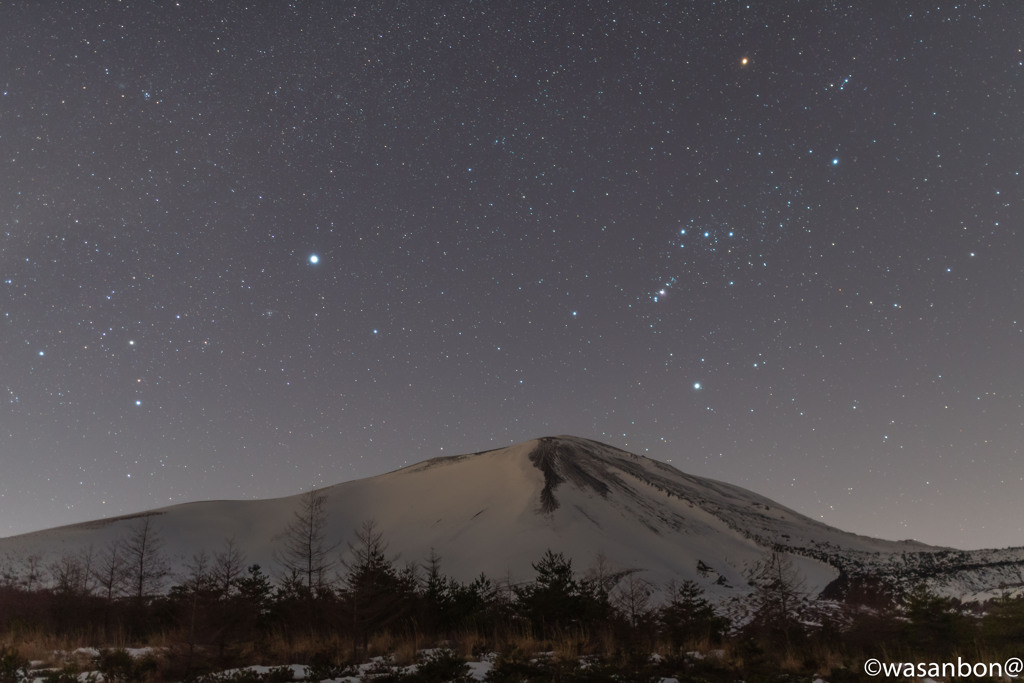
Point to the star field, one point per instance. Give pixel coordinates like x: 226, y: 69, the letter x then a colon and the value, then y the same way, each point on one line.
x: 247, y: 250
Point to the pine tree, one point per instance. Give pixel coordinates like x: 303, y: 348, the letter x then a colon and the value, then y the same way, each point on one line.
x: 688, y: 617
x: 436, y: 595
x: 377, y: 595
x: 557, y: 600
x: 254, y: 596
x: 934, y: 627
x: 1002, y: 627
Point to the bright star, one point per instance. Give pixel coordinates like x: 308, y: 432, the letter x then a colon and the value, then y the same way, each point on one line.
x: 696, y: 386
x: 314, y: 259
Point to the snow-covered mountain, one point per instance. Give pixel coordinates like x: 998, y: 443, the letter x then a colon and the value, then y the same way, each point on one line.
x: 497, y: 511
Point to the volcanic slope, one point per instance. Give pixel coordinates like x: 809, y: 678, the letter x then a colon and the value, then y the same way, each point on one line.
x: 497, y: 511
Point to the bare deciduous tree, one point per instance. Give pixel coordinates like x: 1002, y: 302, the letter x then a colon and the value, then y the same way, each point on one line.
x: 110, y: 570
x: 632, y: 597
x: 227, y: 568
x: 72, y: 574
x: 198, y: 574
x: 305, y: 555
x: 779, y: 597
x: 144, y: 558
x: 32, y: 574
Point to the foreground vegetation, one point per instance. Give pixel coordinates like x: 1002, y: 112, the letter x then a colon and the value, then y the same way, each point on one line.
x: 595, y: 625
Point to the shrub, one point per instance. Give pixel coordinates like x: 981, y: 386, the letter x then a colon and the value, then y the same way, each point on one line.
x: 13, y: 667
x: 442, y: 665
x: 118, y: 665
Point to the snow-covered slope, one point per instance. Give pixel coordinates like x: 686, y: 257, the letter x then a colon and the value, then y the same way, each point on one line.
x: 498, y: 511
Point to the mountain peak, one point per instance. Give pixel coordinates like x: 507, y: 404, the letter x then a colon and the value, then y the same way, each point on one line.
x: 565, y: 459
x: 561, y: 459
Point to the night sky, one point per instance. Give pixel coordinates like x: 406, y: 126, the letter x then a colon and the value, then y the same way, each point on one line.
x: 247, y: 250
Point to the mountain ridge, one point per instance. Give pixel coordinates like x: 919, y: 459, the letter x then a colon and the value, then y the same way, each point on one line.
x: 498, y: 510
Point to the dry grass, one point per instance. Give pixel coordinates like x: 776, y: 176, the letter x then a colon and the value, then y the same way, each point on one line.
x: 571, y: 645
x: 468, y: 643
x: 791, y: 661
x: 38, y: 645
x: 280, y: 647
x: 523, y: 641
x: 401, y: 649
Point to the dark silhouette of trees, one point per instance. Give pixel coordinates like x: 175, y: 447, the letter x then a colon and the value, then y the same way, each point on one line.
x: 632, y: 598
x: 72, y: 574
x: 251, y: 606
x: 255, y: 591
x: 194, y: 601
x: 376, y: 596
x: 32, y: 574
x: 778, y: 601
x: 74, y: 605
x: 688, y: 618
x: 435, y: 609
x: 218, y: 614
x: 447, y: 606
x: 933, y: 625
x: 1003, y: 624
x: 557, y: 600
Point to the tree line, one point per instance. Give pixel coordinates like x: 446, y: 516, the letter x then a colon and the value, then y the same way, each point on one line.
x: 222, y: 610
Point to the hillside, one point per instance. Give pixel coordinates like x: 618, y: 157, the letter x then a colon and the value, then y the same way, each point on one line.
x: 497, y: 511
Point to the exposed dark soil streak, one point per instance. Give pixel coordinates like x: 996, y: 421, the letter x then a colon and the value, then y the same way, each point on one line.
x: 560, y: 461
